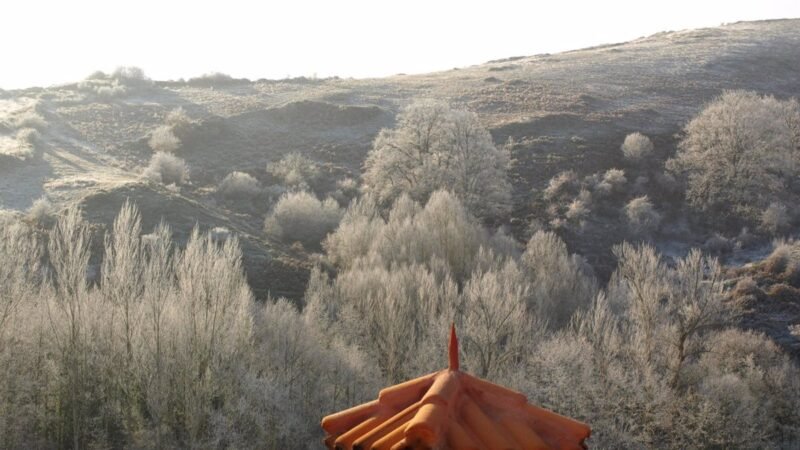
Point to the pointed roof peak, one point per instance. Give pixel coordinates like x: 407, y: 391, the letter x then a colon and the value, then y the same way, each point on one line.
x: 451, y: 410
x: 453, y: 350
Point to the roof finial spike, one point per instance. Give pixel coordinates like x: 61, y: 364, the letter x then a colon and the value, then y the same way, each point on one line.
x: 453, y: 347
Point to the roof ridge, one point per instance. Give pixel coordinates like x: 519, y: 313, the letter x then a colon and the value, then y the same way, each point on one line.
x: 450, y: 409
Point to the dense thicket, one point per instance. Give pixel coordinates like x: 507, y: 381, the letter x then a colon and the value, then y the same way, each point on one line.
x: 165, y: 347
x: 651, y: 361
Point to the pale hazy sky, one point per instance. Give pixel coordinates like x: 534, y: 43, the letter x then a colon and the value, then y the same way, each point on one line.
x: 51, y: 42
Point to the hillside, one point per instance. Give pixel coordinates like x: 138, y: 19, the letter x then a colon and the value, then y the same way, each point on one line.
x: 563, y: 111
x: 221, y: 263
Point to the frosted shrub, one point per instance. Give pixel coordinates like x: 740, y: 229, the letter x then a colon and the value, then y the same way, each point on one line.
x: 30, y: 119
x: 568, y: 371
x: 166, y: 168
x: 41, y: 211
x: 167, y: 137
x: 505, y: 244
x: 211, y: 79
x: 103, y: 88
x: 444, y: 230
x: 347, y: 185
x: 97, y: 75
x: 179, y: 122
x: 121, y: 82
x: 534, y: 226
x: 563, y: 183
x: 162, y: 139
x: 718, y: 244
x: 785, y: 254
x: 637, y: 147
x: 20, y: 251
x: 613, y: 182
x: 579, y: 209
x: 650, y: 358
x: 301, y: 216
x: 28, y: 136
x: 130, y: 75
x: 346, y: 190
x: 746, y: 290
x: 25, y: 145
x: 238, y: 185
x: 183, y: 316
x: 775, y: 218
x: 295, y: 170
x: 642, y: 216
x: 177, y: 118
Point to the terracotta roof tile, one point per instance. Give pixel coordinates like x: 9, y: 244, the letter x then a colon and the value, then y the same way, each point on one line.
x: 451, y: 409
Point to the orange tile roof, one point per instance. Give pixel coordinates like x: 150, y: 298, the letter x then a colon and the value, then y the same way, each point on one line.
x: 453, y: 410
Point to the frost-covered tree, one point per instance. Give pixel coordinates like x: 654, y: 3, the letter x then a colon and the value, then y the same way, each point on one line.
x: 434, y: 147
x: 442, y: 230
x: 168, y: 349
x: 496, y: 322
x: 305, y: 373
x: 404, y: 278
x: 637, y: 147
x: 20, y: 251
x: 670, y: 309
x: 740, y: 153
x: 561, y: 283
x: 160, y: 353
